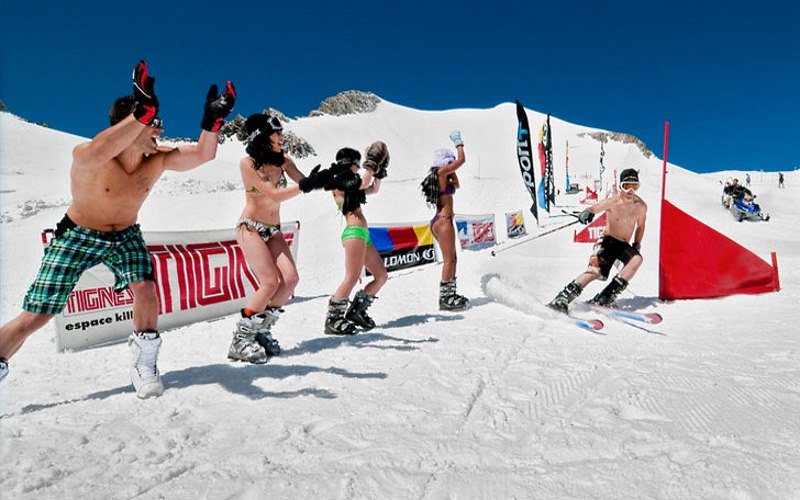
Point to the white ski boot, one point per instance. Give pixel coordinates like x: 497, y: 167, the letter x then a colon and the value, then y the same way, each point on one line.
x: 144, y: 372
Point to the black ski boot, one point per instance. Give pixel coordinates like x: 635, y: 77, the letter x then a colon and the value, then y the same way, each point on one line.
x: 264, y: 334
x: 561, y: 302
x: 357, y: 313
x: 609, y: 295
x: 336, y: 323
x: 449, y: 300
x: 3, y: 368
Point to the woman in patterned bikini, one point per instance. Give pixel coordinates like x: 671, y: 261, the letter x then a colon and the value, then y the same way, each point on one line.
x: 258, y: 232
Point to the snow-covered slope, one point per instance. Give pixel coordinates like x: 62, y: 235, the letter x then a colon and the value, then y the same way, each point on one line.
x: 499, y: 401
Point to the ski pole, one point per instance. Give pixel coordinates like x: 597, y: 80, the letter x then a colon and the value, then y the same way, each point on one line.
x: 495, y: 252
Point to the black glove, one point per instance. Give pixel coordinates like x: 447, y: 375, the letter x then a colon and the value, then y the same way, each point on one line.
x: 344, y: 183
x: 586, y: 216
x: 637, y: 246
x: 218, y: 107
x: 323, y: 177
x: 316, y: 179
x: 146, y: 107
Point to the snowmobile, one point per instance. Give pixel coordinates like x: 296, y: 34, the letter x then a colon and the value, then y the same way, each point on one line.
x: 744, y: 207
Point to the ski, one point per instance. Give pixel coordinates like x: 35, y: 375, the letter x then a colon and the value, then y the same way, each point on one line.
x: 649, y: 318
x: 590, y: 324
x: 638, y: 325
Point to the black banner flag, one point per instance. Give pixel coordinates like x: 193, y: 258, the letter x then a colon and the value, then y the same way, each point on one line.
x: 525, y: 156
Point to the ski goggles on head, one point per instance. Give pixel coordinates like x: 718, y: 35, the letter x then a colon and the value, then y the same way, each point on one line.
x: 346, y: 162
x: 156, y: 123
x: 271, y: 126
x: 629, y: 187
x: 275, y: 124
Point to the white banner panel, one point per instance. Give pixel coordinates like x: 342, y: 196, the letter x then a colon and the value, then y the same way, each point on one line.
x: 475, y: 231
x: 200, y: 275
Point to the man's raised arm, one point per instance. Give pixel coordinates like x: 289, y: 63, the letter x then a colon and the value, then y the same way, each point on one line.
x: 217, y: 107
x: 126, y: 127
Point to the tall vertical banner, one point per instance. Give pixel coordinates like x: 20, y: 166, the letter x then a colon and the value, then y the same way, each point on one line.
x: 547, y: 188
x: 200, y: 275
x: 525, y: 156
x: 568, y: 187
x: 614, y: 184
x: 602, y: 167
x: 403, y: 246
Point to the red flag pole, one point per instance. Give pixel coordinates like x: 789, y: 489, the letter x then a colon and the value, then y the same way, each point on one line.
x: 775, y: 279
x: 664, y: 172
x: 663, y: 232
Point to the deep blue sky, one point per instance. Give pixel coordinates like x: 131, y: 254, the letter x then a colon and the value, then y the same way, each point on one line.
x: 725, y: 74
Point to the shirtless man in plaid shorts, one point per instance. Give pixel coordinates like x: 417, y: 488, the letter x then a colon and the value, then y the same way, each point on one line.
x: 111, y: 176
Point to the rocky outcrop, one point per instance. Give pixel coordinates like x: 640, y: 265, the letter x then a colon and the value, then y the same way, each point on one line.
x: 296, y: 146
x: 605, y: 137
x: 349, y: 102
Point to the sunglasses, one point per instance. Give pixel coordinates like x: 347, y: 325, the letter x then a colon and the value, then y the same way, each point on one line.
x: 156, y: 123
x: 629, y: 187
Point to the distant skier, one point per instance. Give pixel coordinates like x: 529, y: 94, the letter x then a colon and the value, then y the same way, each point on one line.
x: 438, y: 188
x: 350, y: 191
x: 747, y: 179
x: 258, y: 233
x: 780, y: 180
x: 111, y: 176
x: 626, y: 217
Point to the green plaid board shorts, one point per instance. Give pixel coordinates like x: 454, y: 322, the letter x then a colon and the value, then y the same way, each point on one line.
x: 77, y: 249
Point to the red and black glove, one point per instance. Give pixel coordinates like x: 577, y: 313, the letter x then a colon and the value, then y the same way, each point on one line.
x: 218, y: 107
x: 146, y: 107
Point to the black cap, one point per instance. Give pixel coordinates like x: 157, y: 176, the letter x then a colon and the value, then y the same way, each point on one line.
x: 261, y: 123
x: 347, y: 157
x: 629, y: 175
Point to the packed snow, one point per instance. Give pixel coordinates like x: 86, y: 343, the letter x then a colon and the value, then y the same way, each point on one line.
x: 503, y: 400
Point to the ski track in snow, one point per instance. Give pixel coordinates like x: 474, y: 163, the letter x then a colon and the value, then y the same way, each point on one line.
x: 546, y: 407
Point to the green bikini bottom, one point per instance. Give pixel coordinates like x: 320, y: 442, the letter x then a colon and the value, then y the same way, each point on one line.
x: 351, y: 232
